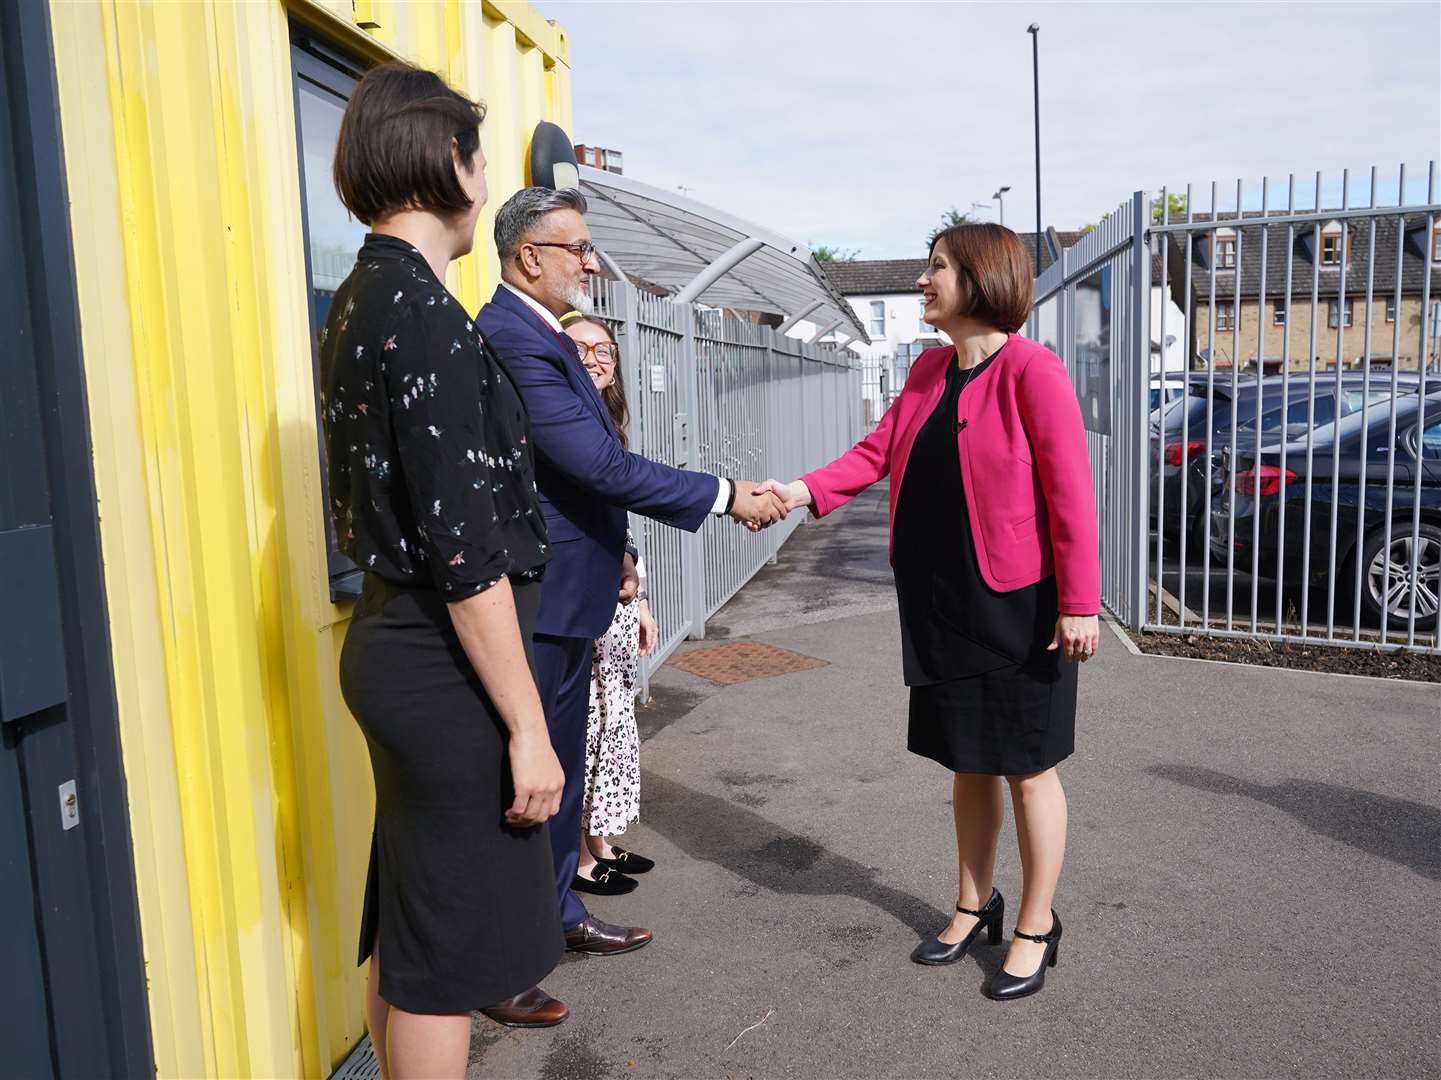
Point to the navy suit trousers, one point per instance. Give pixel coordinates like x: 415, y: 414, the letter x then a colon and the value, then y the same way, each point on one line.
x: 562, y: 675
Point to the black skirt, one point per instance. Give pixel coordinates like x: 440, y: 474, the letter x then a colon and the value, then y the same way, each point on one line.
x: 1009, y: 721
x: 462, y: 906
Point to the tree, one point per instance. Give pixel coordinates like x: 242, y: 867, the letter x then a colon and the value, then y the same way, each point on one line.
x: 954, y: 217
x: 827, y: 254
x: 1175, y: 208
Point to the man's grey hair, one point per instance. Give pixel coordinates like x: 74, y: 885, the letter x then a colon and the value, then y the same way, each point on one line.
x: 523, y: 211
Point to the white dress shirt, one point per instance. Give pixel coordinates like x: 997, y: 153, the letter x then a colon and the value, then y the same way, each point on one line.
x: 724, y: 487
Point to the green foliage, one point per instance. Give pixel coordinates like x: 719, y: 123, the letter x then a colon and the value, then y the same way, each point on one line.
x: 1175, y: 208
x: 827, y: 254
x: 954, y: 217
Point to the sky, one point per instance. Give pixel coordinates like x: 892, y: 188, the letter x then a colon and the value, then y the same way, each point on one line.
x: 857, y: 125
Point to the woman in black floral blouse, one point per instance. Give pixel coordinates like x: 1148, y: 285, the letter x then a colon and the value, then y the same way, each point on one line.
x: 433, y: 494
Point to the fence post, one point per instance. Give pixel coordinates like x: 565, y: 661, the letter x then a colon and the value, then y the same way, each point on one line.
x: 692, y: 548
x: 1137, y: 401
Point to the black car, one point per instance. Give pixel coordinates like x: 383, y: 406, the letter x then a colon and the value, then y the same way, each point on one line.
x: 1400, y: 563
x: 1179, y: 436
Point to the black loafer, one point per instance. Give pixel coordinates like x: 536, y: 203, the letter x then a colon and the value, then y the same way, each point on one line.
x: 607, y: 883
x: 627, y: 862
x: 934, y: 951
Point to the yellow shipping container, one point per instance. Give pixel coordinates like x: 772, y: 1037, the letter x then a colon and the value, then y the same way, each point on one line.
x: 249, y: 788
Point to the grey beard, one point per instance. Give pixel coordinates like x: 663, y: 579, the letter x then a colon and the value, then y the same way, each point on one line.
x: 579, y: 299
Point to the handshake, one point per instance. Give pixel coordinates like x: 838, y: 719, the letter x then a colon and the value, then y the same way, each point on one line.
x: 758, y: 505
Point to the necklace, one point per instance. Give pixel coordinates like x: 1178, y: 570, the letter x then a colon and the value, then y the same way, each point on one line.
x: 970, y: 374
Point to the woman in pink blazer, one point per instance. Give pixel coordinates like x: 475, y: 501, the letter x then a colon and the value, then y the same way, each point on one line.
x: 994, y: 548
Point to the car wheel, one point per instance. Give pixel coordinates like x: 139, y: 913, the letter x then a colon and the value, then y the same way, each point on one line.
x: 1390, y: 580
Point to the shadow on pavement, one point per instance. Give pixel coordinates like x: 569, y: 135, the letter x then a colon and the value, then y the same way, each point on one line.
x: 1405, y: 832
x: 717, y: 831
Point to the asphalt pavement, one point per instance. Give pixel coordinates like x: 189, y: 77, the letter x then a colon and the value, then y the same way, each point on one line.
x: 1251, y: 887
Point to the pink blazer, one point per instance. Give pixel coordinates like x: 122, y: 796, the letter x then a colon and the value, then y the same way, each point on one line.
x: 1023, y: 460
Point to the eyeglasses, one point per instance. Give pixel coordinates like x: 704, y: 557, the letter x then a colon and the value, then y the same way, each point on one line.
x: 605, y: 353
x: 582, y: 249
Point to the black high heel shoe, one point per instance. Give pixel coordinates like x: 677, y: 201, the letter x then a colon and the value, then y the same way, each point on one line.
x: 935, y: 951
x: 1004, y: 986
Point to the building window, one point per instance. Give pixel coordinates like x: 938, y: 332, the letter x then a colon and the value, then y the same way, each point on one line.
x: 1332, y: 308
x: 1225, y: 315
x: 1436, y: 241
x: 1331, y: 248
x: 1278, y: 316
x: 323, y: 82
x: 921, y: 325
x: 1225, y: 253
x: 878, y: 319
x: 1390, y: 309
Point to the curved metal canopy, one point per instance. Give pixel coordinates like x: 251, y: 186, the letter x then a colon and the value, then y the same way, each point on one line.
x: 703, y: 254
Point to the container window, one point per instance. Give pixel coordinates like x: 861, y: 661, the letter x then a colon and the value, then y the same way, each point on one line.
x: 323, y: 83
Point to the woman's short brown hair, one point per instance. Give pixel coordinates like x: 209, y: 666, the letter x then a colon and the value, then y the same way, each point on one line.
x: 993, y: 272
x: 394, y: 147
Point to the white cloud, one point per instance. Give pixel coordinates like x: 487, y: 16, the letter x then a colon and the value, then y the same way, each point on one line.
x: 858, y: 124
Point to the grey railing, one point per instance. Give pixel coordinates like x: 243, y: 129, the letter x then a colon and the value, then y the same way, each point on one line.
x: 713, y: 392
x: 1282, y: 479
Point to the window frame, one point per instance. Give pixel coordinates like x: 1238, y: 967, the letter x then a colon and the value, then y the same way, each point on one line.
x: 334, y: 72
x: 1280, y: 313
x: 873, y: 319
x: 1333, y: 320
x: 1391, y: 309
x: 1339, y: 237
x: 1226, y: 252
x: 1225, y: 315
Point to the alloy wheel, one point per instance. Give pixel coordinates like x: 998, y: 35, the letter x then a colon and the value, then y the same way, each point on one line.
x: 1408, y: 582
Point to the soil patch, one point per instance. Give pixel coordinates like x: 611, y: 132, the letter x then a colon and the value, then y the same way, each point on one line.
x: 1385, y: 665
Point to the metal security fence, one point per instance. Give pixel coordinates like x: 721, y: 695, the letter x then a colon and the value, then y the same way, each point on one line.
x: 713, y: 392
x: 1090, y: 309
x: 1285, y: 482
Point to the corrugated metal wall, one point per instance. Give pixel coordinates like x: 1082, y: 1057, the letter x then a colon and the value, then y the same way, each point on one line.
x: 249, y: 786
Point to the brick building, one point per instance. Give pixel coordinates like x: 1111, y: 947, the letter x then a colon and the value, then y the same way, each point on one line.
x: 1245, y: 318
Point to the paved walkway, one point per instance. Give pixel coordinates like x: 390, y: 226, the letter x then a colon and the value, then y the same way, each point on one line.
x: 1251, y: 890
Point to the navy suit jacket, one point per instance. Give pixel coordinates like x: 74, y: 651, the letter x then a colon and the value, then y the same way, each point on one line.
x: 587, y: 480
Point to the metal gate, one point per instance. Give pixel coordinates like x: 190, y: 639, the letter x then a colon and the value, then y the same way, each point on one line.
x: 713, y: 392
x: 1283, y: 480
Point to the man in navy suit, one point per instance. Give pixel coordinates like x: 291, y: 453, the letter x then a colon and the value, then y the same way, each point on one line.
x: 587, y: 482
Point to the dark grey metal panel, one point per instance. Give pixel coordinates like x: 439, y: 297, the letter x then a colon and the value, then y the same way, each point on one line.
x: 24, y: 1017
x: 82, y: 879
x: 32, y: 646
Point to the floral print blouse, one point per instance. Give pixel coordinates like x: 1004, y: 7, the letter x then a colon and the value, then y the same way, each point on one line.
x: 432, y: 480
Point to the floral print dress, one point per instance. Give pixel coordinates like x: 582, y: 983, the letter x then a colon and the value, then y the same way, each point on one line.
x: 612, y: 748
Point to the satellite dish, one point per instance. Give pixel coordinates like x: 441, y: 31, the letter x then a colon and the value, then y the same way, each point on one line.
x: 551, y: 160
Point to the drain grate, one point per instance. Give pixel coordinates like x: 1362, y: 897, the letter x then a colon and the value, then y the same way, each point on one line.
x: 360, y: 1065
x: 742, y: 661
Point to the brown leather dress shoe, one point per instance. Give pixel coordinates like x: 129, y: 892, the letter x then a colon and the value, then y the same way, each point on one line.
x: 532, y: 1009
x: 602, y: 939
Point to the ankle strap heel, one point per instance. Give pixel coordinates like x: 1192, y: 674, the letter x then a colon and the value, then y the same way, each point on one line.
x: 1004, y: 986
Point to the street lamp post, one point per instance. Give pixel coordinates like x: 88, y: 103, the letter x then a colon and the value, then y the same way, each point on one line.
x: 1000, y: 196
x: 1035, y: 31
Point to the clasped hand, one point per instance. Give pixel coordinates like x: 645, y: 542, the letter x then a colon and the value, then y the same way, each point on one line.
x: 755, y: 506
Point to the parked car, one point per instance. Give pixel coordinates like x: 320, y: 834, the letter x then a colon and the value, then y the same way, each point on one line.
x: 1183, y: 449
x: 1400, y: 564
x: 1166, y: 388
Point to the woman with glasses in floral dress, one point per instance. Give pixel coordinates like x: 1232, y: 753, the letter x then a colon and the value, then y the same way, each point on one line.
x: 612, y: 774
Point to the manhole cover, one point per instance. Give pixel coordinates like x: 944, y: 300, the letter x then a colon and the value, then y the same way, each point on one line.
x: 742, y: 661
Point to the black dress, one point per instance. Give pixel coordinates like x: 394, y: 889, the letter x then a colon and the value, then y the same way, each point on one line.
x: 986, y: 695
x: 433, y: 492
